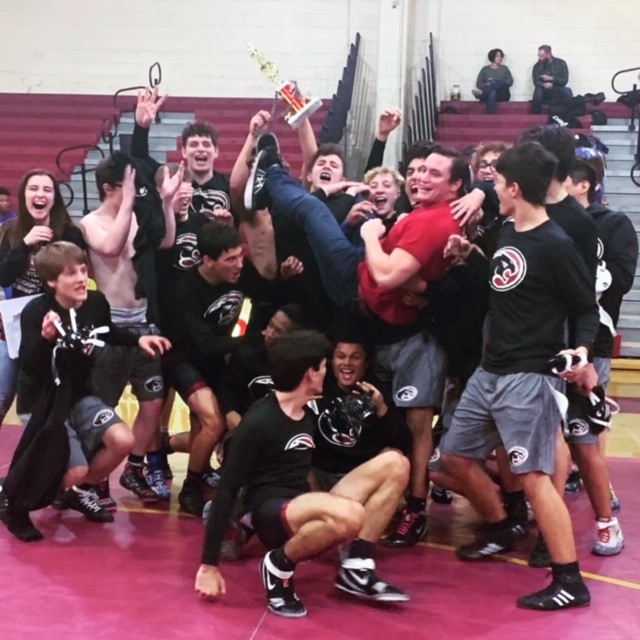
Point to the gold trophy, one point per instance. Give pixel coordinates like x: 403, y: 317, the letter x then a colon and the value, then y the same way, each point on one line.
x: 299, y: 107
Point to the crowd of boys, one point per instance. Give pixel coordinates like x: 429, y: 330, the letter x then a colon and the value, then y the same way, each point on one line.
x: 400, y: 273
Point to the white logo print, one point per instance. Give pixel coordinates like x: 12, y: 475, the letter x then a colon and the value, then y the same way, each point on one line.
x: 102, y: 417
x: 578, y: 427
x: 518, y: 456
x: 225, y: 309
x: 300, y: 443
x: 435, y: 456
x: 406, y: 394
x: 508, y: 269
x: 154, y: 384
x: 142, y: 192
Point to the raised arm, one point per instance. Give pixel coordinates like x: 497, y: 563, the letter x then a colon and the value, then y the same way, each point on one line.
x: 309, y: 146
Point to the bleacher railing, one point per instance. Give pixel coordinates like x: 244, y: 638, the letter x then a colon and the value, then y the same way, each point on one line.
x: 108, y: 133
x: 634, y: 108
x: 423, y: 121
x: 335, y: 121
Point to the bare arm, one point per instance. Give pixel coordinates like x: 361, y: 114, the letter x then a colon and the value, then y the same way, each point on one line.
x: 309, y: 146
x: 111, y: 242
x: 389, y: 270
x: 170, y: 187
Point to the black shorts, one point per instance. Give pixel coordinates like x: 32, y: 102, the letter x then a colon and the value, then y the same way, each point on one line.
x: 185, y: 378
x: 270, y: 523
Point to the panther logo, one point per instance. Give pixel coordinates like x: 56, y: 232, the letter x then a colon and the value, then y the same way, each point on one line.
x: 578, y: 428
x: 154, y: 384
x: 300, y: 442
x: 518, y: 456
x: 224, y: 311
x: 102, y: 417
x: 508, y: 269
x: 406, y: 394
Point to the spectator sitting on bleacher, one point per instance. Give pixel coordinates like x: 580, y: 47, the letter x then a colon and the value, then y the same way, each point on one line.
x: 494, y: 81
x: 550, y: 76
x: 5, y: 212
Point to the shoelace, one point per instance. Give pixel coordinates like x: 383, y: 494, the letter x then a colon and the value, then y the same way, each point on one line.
x: 88, y: 502
x: 407, y: 522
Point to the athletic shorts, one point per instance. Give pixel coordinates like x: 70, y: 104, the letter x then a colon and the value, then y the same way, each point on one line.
x: 417, y: 367
x: 270, y: 524
x: 326, y: 479
x: 578, y: 424
x: 517, y: 410
x: 115, y: 366
x: 184, y: 377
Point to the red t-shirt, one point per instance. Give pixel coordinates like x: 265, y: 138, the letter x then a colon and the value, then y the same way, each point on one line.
x: 423, y: 234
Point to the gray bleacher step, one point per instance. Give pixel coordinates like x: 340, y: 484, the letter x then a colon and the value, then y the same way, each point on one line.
x: 630, y: 349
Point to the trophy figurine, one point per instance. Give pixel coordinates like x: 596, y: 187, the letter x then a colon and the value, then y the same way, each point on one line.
x: 299, y: 107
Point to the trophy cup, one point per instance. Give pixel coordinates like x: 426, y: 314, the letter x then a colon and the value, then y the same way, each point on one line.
x: 299, y: 107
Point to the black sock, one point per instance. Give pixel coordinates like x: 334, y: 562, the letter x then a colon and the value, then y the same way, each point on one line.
x: 361, y: 548
x: 280, y: 560
x: 496, y: 527
x: 135, y: 460
x: 416, y: 505
x: 165, y: 443
x: 193, y: 477
x: 21, y: 526
x: 515, y: 505
x: 566, y: 573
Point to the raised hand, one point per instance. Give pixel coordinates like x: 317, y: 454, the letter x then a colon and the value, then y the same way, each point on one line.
x: 129, y: 187
x: 171, y: 184
x: 37, y: 234
x: 149, y: 103
x: 258, y: 122
x: 389, y: 121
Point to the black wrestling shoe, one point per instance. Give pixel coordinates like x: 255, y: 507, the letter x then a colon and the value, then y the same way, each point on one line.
x: 104, y: 495
x: 491, y: 540
x: 411, y: 529
x: 86, y: 503
x: 191, y: 498
x: 440, y: 495
x: 564, y: 593
x: 357, y: 576
x: 539, y: 556
x: 281, y: 596
x: 133, y: 478
x: 256, y: 193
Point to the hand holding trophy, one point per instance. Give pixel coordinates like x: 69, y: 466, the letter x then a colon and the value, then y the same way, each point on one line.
x: 299, y: 107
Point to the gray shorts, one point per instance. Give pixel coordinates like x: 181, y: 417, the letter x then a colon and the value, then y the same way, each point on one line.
x: 517, y: 410
x: 417, y: 367
x: 115, y: 366
x: 577, y: 431
x: 88, y: 421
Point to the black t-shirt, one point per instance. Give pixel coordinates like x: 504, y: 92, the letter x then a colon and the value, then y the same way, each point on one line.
x: 270, y: 455
x: 537, y: 280
x: 212, y: 195
x: 35, y: 373
x: 182, y: 256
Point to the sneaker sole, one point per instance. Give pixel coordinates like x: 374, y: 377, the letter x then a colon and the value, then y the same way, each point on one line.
x: 382, y: 597
x: 283, y: 614
x: 607, y: 552
x: 569, y: 606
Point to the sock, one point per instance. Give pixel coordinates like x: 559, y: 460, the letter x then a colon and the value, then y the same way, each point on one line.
x: 515, y: 505
x: 154, y: 460
x: 416, y: 505
x: 280, y: 560
x: 20, y: 525
x: 361, y: 548
x: 566, y: 573
x: 85, y: 486
x: 165, y: 443
x: 193, y: 477
x: 135, y: 460
x: 496, y: 527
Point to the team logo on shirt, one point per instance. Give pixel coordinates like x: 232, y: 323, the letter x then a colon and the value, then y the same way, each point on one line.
x: 188, y: 254
x: 102, y: 417
x: 142, y: 192
x: 518, y: 456
x: 508, y: 269
x: 338, y: 431
x: 578, y: 427
x: 206, y: 201
x: 260, y: 386
x: 225, y: 309
x: 300, y: 443
x: 600, y: 249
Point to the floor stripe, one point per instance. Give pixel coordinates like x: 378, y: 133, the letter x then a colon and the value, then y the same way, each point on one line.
x: 522, y: 562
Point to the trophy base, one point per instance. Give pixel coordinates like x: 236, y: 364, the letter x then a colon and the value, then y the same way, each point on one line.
x: 296, y: 118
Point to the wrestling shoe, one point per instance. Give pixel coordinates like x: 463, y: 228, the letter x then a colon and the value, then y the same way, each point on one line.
x: 562, y: 593
x: 211, y: 478
x: 191, y: 499
x: 492, y: 540
x: 411, y: 529
x: 85, y: 502
x: 281, y: 596
x: 539, y: 556
x: 133, y: 479
x: 256, y: 193
x: 440, y: 495
x: 157, y: 484
x: 357, y: 576
x: 104, y: 495
x: 476, y: 93
x: 574, y: 482
x: 610, y: 539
